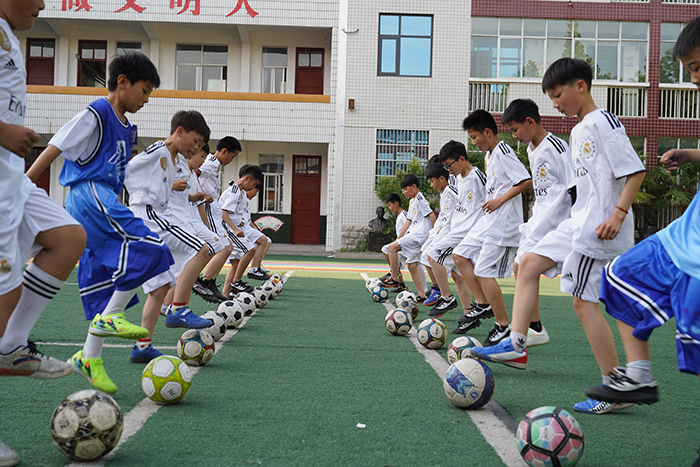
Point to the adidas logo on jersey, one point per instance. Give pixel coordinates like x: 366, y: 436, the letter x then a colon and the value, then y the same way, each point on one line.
x: 10, y: 65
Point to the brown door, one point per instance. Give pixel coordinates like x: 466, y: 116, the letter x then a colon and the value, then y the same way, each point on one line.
x: 306, y: 199
x: 40, y: 57
x: 309, y: 73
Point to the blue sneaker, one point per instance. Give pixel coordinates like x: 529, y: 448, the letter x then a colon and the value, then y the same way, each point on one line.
x: 432, y: 297
x: 144, y: 355
x: 185, y: 319
x: 503, y: 352
x: 597, y: 407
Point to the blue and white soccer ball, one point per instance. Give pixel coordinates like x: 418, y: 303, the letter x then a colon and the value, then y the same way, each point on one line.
x: 469, y: 384
x: 431, y: 333
x: 380, y: 294
x: 461, y: 348
x: 398, y: 322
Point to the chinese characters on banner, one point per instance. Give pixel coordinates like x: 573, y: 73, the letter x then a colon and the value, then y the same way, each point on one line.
x: 183, y: 5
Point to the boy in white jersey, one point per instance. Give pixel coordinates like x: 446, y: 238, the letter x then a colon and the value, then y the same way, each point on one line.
x: 393, y: 203
x: 412, y: 236
x: 659, y: 278
x: 150, y: 177
x: 491, y: 244
x: 553, y: 183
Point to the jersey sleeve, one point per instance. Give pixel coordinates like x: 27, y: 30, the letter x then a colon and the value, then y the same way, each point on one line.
x: 618, y: 150
x: 78, y: 137
x: 513, y: 168
x: 423, y: 206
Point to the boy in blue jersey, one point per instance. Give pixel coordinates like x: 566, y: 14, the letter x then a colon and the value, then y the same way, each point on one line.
x: 659, y: 278
x: 121, y: 253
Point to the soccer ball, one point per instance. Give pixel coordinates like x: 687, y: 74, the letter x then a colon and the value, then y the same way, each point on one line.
x: 247, y: 302
x: 276, y: 277
x: 431, y: 333
x: 398, y: 322
x: 371, y: 283
x: 379, y: 294
x: 271, y: 288
x: 218, y: 329
x: 195, y: 347
x: 260, y: 297
x: 166, y: 379
x: 87, y: 425
x: 407, y: 301
x: 550, y: 436
x: 461, y: 348
x: 468, y: 384
x: 232, y: 311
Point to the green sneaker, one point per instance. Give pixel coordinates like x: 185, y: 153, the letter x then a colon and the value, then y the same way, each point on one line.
x: 93, y: 370
x: 116, y: 325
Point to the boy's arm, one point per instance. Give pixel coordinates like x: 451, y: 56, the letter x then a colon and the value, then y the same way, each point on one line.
x: 673, y: 159
x: 433, y: 218
x: 404, y: 228
x: 227, y: 219
x: 611, y: 227
x: 492, y: 205
x: 17, y: 139
x: 43, y: 161
x: 201, y: 209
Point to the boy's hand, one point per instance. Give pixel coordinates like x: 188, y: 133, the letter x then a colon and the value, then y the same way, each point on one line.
x: 193, y: 198
x: 611, y: 227
x: 673, y: 159
x: 180, y: 185
x: 17, y: 139
x: 207, y: 198
x: 492, y: 205
x: 238, y: 232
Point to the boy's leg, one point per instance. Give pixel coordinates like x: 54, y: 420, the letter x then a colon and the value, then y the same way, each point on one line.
x: 394, y: 249
x: 243, y: 265
x: 229, y: 277
x: 466, y: 269
x: 599, y: 335
x: 415, y: 275
x: 260, y: 250
x: 143, y: 350
x: 440, y: 274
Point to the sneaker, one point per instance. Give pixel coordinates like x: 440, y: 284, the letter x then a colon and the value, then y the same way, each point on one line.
x: 389, y: 283
x: 623, y: 389
x: 29, y: 361
x: 144, y: 355
x: 385, y: 276
x: 596, y: 407
x: 462, y: 328
x: 432, y: 297
x: 8, y: 457
x: 240, y: 286
x: 537, y: 338
x: 93, y: 370
x: 264, y: 269
x: 443, y: 306
x: 695, y: 464
x: 210, y: 284
x: 476, y: 311
x: 185, y: 319
x: 420, y: 299
x: 400, y: 288
x: 202, y: 290
x: 497, y: 334
x: 116, y: 325
x: 503, y: 352
x: 257, y: 275
x: 163, y: 310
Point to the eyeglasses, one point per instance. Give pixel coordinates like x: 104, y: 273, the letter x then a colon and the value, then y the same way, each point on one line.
x: 450, y: 164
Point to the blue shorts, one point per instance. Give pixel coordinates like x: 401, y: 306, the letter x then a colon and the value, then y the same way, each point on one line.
x: 644, y: 289
x: 121, y: 252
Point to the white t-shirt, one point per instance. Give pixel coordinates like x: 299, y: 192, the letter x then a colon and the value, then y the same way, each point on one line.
x: 179, y: 206
x: 472, y: 193
x: 552, y: 176
x: 210, y: 176
x: 448, y: 203
x: 78, y: 138
x: 194, y: 188
x: 418, y: 213
x: 150, y: 176
x: 603, y: 157
x: 401, y: 220
x: 503, y: 172
x: 234, y: 201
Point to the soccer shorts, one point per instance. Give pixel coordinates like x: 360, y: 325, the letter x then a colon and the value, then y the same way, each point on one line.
x: 490, y: 261
x: 555, y: 245
x: 121, y: 253
x: 580, y: 276
x: 37, y: 214
x: 643, y: 288
x: 252, y: 234
x: 402, y: 259
x: 215, y: 242
x: 441, y: 252
x: 411, y: 247
x: 241, y: 245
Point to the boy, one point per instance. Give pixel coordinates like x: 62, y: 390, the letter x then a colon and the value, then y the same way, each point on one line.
x: 659, y: 278
x: 489, y: 247
x: 150, y: 177
x: 553, y: 181
x: 414, y: 233
x: 121, y: 253
x: 393, y: 203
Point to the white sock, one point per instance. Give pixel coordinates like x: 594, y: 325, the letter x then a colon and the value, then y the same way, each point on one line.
x: 120, y: 299
x: 606, y: 380
x: 93, y: 346
x: 639, y: 371
x: 519, y: 341
x: 38, y: 289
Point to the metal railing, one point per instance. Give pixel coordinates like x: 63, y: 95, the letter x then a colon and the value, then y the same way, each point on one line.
x: 492, y: 97
x: 677, y: 102
x: 626, y: 101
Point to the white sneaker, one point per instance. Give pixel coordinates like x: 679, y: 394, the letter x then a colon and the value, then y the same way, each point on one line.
x: 537, y: 338
x: 8, y: 457
x: 29, y: 361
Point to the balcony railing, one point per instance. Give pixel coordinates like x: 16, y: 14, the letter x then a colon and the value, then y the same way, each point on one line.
x: 625, y: 101
x: 675, y: 102
x: 492, y: 97
x: 682, y: 2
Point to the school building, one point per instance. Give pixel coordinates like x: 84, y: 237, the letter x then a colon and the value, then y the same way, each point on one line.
x: 328, y: 95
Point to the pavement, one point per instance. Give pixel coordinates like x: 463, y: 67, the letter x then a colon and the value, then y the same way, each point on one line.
x: 319, y: 250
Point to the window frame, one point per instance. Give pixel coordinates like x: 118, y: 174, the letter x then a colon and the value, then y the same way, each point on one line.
x: 397, y: 37
x: 279, y: 194
x: 403, y: 150
x: 274, y: 67
x: 199, y: 78
x: 42, y: 58
x: 81, y: 43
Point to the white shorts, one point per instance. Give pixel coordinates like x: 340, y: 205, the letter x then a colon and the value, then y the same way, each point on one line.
x: 402, y: 259
x: 581, y: 276
x: 490, y: 261
x: 39, y: 214
x: 252, y: 234
x: 216, y: 242
x: 410, y: 248
x: 556, y: 245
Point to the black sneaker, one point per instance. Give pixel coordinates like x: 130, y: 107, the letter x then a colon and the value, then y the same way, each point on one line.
x: 420, y: 299
x: 258, y: 275
x: 442, y: 306
x: 201, y: 289
x: 462, y: 328
x: 497, y: 334
x: 476, y: 311
x: 211, y: 285
x: 240, y: 286
x: 623, y: 389
x: 385, y: 276
x: 389, y: 283
x: 400, y: 288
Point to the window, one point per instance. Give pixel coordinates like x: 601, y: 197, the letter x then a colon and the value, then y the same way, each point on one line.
x: 126, y: 47
x: 396, y: 148
x: 670, y: 70
x: 201, y: 67
x: 405, y: 45
x: 92, y: 64
x: 524, y: 48
x: 270, y: 196
x: 666, y: 144
x: 274, y: 76
x: 40, y: 61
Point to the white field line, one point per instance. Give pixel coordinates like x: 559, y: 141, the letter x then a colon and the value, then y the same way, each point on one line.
x: 491, y: 420
x: 137, y: 417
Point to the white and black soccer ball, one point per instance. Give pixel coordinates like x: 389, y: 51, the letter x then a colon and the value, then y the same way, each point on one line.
x: 218, y: 329
x: 380, y: 294
x: 431, y: 333
x: 260, y: 297
x: 469, y: 384
x: 461, y: 348
x: 269, y: 290
x: 371, y: 283
x: 247, y: 302
x: 398, y: 322
x: 87, y: 425
x: 195, y: 347
x: 233, y: 311
x: 407, y: 301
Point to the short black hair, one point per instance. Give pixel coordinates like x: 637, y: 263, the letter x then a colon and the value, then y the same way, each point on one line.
x: 190, y: 120
x: 437, y: 171
x: 229, y: 143
x: 434, y: 160
x: 393, y: 198
x: 206, y: 148
x: 519, y: 110
x: 253, y: 171
x: 241, y: 171
x: 453, y: 150
x: 566, y: 71
x: 688, y: 39
x: 480, y: 120
x: 135, y: 66
x: 408, y: 180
